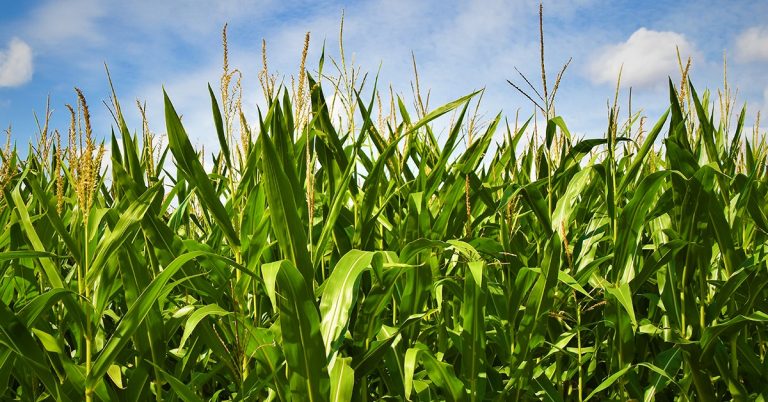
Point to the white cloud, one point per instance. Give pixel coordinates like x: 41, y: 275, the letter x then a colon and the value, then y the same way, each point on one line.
x: 648, y: 58
x: 70, y: 23
x: 752, y: 44
x: 764, y: 104
x: 87, y: 27
x: 466, y: 47
x: 15, y: 64
x: 447, y: 53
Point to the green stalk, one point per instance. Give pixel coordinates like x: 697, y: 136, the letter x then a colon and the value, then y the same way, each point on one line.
x: 578, y: 344
x: 703, y: 299
x: 683, y: 327
x: 243, y: 306
x: 156, y: 358
x: 88, y: 330
x: 734, y: 356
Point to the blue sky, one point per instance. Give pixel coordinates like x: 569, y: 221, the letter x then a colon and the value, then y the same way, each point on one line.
x: 50, y: 46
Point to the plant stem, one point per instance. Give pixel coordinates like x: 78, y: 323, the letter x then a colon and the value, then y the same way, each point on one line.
x: 578, y: 344
x: 88, y: 330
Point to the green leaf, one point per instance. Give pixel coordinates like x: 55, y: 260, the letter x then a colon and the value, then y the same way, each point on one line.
x: 129, y: 222
x: 473, y: 333
x: 195, y: 318
x: 50, y: 343
x: 623, y: 295
x: 568, y: 201
x: 136, y: 313
x: 631, y: 173
x: 608, y: 382
x: 218, y: 122
x: 329, y: 224
x: 714, y: 332
x: 50, y: 270
x: 18, y: 254
x: 339, y: 294
x: 631, y: 222
x: 440, y: 373
x: 16, y: 337
x: 300, y: 330
x: 181, y: 389
x: 283, y: 211
x: 343, y: 380
x: 188, y: 162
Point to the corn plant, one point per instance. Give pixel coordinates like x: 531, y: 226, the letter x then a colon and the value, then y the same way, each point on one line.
x: 371, y: 259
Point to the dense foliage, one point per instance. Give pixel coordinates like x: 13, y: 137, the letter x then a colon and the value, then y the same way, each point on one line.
x: 368, y: 258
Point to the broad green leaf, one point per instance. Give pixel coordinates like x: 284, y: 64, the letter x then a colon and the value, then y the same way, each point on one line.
x: 712, y: 333
x: 283, y: 211
x: 440, y: 373
x: 189, y: 163
x: 129, y: 222
x: 631, y: 222
x: 136, y: 313
x: 50, y: 270
x: 342, y: 380
x: 17, y: 338
x: 623, y: 295
x: 195, y: 318
x: 473, y: 334
x: 300, y: 330
x: 339, y: 294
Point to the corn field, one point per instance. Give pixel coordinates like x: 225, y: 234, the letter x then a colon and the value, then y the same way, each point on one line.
x: 362, y: 256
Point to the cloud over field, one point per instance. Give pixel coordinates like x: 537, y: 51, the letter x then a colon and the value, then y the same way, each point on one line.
x: 648, y: 57
x: 15, y: 64
x: 466, y: 45
x: 752, y: 44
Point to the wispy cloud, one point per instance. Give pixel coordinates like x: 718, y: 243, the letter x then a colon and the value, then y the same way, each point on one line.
x: 459, y: 45
x: 752, y: 44
x: 73, y: 23
x: 16, y: 65
x: 646, y: 58
x: 190, y: 99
